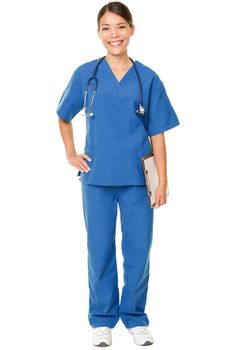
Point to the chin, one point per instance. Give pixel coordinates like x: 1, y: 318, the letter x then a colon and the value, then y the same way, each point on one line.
x: 116, y: 52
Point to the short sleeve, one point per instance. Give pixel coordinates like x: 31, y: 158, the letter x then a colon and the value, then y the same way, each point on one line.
x: 71, y: 101
x: 162, y: 116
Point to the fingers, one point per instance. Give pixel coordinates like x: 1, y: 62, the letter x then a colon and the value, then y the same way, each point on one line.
x: 160, y: 200
x: 86, y: 156
x: 83, y: 166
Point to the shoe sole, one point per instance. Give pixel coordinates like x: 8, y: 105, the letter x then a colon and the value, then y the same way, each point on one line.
x: 147, y: 343
x: 102, y: 344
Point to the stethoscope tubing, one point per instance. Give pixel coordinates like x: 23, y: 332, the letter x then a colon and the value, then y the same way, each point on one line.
x: 93, y: 77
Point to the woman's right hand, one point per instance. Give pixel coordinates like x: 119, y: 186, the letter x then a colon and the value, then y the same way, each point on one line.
x: 77, y: 160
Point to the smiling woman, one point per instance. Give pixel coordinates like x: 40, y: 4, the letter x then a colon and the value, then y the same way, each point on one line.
x: 117, y: 137
x: 115, y: 28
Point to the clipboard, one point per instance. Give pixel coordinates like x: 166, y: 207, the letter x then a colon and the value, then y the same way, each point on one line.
x: 151, y: 177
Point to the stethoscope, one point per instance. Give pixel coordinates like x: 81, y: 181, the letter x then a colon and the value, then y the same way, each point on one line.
x: 87, y: 111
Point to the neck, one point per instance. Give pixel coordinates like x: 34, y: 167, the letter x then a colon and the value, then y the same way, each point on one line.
x: 119, y: 61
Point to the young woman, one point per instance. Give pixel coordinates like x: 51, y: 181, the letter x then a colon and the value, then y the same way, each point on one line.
x: 125, y: 103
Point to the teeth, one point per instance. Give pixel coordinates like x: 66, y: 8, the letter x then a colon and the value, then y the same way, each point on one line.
x: 116, y: 43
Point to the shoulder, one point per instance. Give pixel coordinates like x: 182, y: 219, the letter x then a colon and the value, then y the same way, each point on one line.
x: 148, y: 74
x: 86, y: 67
x: 82, y: 72
x: 146, y: 69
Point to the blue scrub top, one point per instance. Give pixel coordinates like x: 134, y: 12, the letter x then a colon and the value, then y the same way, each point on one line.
x: 116, y: 138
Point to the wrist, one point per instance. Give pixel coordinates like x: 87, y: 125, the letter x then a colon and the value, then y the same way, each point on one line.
x: 162, y: 184
x: 70, y: 153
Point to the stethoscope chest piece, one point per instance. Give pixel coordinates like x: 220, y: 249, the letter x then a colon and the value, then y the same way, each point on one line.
x: 140, y: 111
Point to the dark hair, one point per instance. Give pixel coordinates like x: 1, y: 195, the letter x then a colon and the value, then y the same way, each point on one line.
x: 119, y: 9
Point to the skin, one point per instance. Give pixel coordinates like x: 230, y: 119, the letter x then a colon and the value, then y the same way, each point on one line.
x: 114, y: 28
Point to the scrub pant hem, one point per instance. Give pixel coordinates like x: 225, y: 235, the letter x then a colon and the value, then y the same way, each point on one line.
x: 135, y: 323
x: 103, y: 324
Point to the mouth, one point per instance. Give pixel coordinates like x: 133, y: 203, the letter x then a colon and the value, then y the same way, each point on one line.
x: 115, y: 43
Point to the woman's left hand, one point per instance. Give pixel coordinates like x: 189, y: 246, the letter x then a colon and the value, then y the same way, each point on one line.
x: 160, y: 196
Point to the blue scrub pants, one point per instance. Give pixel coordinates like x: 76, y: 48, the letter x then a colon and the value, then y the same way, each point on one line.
x: 136, y: 216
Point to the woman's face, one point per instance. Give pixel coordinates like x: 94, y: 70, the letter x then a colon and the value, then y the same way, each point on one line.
x: 114, y: 33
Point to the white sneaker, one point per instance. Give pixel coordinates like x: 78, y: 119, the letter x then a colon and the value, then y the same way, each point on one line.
x: 141, y: 335
x: 102, y: 336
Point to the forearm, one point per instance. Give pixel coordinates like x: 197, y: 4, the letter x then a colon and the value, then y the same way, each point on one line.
x: 66, y: 131
x: 160, y: 157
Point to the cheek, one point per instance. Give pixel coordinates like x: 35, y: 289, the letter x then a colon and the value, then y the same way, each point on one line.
x: 126, y: 37
x: 104, y: 40
x: 103, y: 36
x: 126, y: 41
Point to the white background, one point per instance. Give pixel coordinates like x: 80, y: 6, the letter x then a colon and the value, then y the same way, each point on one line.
x: 43, y: 276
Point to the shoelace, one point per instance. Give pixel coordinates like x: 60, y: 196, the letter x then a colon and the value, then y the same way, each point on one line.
x: 142, y: 330
x: 101, y: 331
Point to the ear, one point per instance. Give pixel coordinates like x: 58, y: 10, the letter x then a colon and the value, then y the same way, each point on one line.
x: 132, y: 30
x: 98, y: 32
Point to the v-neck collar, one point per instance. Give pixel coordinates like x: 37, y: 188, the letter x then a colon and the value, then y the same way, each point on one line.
x: 113, y: 75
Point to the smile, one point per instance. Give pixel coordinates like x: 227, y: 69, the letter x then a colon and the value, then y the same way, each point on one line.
x: 115, y: 43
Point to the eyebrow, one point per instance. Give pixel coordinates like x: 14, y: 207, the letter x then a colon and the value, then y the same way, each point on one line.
x: 105, y: 24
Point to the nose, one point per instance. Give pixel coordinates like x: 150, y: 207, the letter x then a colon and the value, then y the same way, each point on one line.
x: 114, y: 33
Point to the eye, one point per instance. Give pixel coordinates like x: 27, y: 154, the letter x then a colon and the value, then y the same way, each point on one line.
x: 104, y: 28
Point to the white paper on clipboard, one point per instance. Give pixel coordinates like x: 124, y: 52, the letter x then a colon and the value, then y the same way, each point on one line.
x: 151, y: 177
